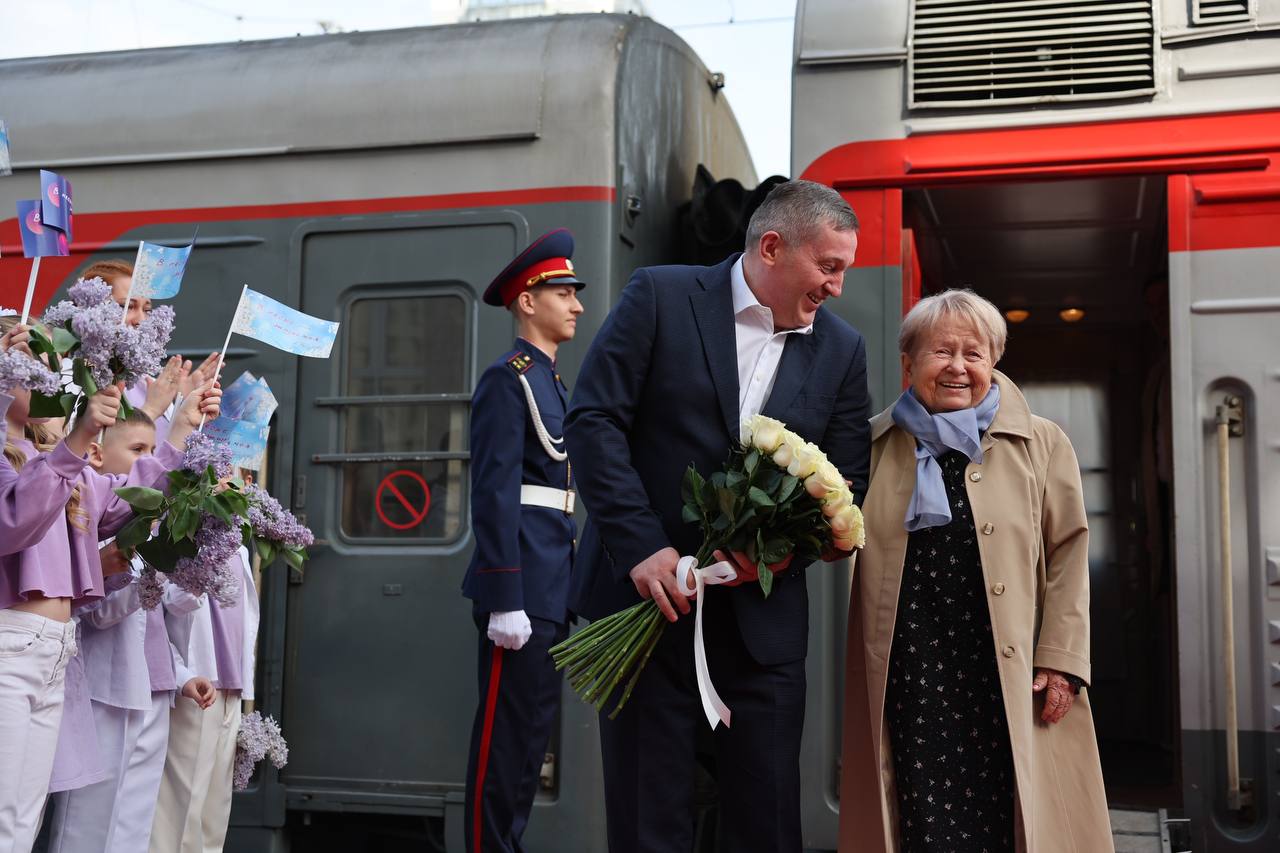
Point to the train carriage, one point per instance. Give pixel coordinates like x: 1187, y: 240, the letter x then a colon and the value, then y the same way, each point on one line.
x: 379, y: 179
x: 1108, y: 173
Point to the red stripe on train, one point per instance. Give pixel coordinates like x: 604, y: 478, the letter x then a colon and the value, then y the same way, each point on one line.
x: 1233, y: 158
x: 95, y: 230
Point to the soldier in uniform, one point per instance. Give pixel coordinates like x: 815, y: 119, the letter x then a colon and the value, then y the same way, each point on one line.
x: 521, y: 507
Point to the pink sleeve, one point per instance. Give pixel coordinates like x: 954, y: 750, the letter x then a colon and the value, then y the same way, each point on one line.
x: 150, y: 471
x: 32, y: 499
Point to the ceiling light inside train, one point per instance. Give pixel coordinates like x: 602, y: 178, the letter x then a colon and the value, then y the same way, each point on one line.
x: 1071, y: 315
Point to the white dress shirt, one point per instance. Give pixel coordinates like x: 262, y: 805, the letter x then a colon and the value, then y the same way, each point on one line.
x: 759, y: 346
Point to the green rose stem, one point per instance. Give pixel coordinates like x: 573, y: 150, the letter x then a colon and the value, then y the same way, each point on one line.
x: 615, y: 649
x: 605, y: 672
x: 651, y: 642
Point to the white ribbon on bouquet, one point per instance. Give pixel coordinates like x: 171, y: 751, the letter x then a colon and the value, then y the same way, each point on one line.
x: 716, y: 573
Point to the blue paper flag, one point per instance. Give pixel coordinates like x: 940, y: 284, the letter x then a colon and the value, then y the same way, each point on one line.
x: 37, y: 240
x: 249, y: 399
x: 55, y: 201
x: 157, y: 273
x: 6, y: 166
x: 275, y: 323
x: 248, y: 441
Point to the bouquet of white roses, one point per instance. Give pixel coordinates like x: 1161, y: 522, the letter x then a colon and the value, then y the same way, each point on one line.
x: 776, y: 497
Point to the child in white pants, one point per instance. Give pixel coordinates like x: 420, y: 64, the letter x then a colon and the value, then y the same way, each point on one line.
x: 194, y: 804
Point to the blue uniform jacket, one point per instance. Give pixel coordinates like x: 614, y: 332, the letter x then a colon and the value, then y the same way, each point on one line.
x: 524, y: 554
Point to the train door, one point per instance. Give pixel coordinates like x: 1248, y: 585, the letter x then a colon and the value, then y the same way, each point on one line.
x: 1079, y: 269
x: 379, y: 680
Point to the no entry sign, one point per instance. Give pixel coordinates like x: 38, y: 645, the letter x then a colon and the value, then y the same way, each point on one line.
x: 410, y: 500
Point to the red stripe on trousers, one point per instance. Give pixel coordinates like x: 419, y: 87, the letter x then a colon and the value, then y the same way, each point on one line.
x: 486, y: 735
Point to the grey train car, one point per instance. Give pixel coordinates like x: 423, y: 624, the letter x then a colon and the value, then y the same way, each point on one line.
x: 1108, y: 173
x: 379, y: 179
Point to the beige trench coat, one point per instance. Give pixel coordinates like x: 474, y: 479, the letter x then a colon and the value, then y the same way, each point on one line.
x: 1033, y: 539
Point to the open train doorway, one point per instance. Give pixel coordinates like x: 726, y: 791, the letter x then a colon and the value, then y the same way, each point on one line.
x: 1079, y: 268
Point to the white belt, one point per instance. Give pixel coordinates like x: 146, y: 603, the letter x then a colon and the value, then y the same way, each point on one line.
x: 561, y: 499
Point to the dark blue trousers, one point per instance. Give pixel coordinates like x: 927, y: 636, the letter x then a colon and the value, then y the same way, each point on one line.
x: 649, y: 749
x: 519, y: 697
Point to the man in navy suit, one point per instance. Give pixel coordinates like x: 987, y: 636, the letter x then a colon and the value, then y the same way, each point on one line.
x: 521, y: 507
x: 685, y: 356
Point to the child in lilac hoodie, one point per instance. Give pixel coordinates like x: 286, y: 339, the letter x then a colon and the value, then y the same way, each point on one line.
x: 53, y: 511
x: 132, y: 675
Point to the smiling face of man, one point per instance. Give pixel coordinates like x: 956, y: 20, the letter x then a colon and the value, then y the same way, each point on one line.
x: 950, y: 367
x: 793, y: 280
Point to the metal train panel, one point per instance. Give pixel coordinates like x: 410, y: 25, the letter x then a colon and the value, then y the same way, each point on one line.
x: 500, y: 132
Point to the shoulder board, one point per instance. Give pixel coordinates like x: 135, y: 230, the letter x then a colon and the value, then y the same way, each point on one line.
x: 520, y: 363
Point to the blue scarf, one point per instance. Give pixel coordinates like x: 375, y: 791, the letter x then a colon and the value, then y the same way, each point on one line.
x: 935, y: 435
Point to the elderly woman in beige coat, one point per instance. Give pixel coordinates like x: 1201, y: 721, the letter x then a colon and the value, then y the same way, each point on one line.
x: 966, y: 728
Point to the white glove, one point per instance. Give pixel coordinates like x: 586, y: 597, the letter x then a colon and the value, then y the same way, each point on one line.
x: 510, y: 629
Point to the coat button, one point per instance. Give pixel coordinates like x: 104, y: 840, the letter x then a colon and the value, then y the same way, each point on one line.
x: 988, y: 528
x: 998, y: 589
x: 976, y: 476
x: 1008, y: 651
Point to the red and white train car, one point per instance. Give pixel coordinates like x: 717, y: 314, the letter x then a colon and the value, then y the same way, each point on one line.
x: 1108, y: 173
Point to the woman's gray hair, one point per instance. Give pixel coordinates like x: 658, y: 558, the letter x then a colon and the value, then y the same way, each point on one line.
x: 963, y: 305
x: 796, y: 209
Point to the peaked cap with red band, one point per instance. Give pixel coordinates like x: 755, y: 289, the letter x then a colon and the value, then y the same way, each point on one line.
x: 546, y: 261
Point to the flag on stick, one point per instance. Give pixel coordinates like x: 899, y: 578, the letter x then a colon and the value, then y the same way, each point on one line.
x: 157, y: 273
x: 55, y: 201
x: 248, y: 441
x: 261, y: 317
x: 285, y: 328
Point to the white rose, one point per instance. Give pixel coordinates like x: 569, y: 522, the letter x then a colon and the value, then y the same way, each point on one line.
x: 844, y: 544
x: 843, y: 523
x: 826, y: 480
x: 766, y: 433
x: 787, y: 449
x: 804, y: 460
x: 836, y: 501
x: 782, y: 456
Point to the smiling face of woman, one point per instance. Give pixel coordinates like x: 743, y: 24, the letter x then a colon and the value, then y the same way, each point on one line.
x: 950, y: 367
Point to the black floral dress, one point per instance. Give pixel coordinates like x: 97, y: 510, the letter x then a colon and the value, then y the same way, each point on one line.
x: 944, y: 705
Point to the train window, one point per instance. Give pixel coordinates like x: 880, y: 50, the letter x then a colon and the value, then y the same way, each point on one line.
x: 406, y: 396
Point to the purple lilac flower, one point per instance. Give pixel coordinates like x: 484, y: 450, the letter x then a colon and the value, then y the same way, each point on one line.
x: 60, y: 315
x: 257, y: 739
x: 203, y: 451
x: 86, y: 293
x: 20, y: 370
x: 143, y: 349
x: 273, y: 522
x: 150, y: 588
x: 100, y: 333
x: 210, y: 570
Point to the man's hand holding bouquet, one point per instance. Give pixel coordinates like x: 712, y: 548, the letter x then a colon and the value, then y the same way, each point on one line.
x: 777, y: 501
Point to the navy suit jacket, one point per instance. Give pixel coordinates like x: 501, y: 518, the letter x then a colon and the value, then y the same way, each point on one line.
x: 524, y: 554
x: 659, y: 390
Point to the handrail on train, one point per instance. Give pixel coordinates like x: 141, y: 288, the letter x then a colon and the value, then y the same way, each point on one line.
x: 1230, y: 422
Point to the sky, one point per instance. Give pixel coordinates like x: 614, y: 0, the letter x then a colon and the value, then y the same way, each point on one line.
x: 750, y: 41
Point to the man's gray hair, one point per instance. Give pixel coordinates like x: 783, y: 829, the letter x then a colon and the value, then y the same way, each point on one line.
x: 796, y: 209
x: 963, y: 305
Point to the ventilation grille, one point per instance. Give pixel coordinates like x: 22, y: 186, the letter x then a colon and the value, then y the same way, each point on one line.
x: 967, y: 53
x: 1207, y: 13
